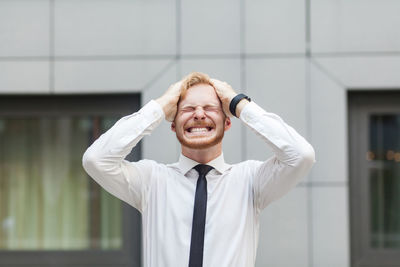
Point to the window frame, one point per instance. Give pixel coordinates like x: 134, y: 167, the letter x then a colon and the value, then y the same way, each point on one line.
x: 360, y: 105
x: 79, y: 105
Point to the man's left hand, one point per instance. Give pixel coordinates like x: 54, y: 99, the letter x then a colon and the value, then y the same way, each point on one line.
x: 225, y: 93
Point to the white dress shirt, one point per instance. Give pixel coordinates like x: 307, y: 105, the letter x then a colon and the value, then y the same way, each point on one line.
x: 164, y: 193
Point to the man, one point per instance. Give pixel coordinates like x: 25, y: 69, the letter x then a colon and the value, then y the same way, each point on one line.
x: 208, y: 214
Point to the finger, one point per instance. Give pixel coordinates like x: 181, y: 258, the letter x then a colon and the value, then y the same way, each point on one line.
x: 215, y: 82
x: 178, y: 86
x: 217, y: 85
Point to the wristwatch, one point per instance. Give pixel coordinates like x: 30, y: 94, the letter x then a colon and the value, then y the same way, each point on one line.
x: 235, y: 101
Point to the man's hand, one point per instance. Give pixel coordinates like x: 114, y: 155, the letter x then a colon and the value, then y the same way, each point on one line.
x: 169, y: 100
x: 225, y: 94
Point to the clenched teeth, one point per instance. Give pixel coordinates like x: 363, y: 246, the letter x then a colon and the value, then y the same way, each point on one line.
x: 199, y: 130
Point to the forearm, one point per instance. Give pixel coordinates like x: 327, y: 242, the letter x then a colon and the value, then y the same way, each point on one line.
x: 288, y: 145
x: 115, y: 144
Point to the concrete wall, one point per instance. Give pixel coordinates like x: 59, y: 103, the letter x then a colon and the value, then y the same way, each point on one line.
x: 294, y: 58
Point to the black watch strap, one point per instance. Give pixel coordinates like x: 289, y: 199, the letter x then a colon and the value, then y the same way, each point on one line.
x: 235, y: 101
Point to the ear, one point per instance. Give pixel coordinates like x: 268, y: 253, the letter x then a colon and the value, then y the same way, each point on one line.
x: 228, y: 124
x: 173, y: 127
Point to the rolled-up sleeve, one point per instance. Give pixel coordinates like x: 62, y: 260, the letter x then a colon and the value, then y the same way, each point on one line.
x: 292, y: 160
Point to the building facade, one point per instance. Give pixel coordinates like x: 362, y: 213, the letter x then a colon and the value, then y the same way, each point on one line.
x: 299, y: 59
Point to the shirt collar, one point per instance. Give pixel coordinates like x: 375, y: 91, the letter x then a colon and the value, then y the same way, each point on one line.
x: 185, y: 164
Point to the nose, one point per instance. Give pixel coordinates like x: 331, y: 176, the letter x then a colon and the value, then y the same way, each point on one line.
x: 199, y: 113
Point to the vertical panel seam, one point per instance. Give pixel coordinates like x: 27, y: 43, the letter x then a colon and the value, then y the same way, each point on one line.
x: 51, y: 46
x: 309, y: 125
x: 243, y: 81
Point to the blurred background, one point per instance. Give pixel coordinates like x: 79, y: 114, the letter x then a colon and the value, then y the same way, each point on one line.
x: 70, y: 68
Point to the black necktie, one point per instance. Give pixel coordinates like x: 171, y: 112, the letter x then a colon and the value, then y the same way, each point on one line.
x: 199, y: 217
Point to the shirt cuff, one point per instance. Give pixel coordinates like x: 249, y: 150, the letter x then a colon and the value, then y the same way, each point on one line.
x: 250, y: 112
x: 152, y: 111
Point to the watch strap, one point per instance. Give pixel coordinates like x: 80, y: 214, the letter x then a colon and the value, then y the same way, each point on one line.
x: 235, y: 101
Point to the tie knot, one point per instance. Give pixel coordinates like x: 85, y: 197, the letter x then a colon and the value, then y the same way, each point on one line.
x: 203, y: 169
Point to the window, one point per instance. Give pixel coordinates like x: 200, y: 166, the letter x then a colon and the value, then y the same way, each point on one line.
x: 374, y: 128
x: 51, y: 212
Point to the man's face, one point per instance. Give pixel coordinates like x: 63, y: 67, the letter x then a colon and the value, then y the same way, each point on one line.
x: 200, y: 122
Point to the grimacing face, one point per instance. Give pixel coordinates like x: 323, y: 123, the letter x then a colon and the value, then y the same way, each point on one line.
x: 200, y: 122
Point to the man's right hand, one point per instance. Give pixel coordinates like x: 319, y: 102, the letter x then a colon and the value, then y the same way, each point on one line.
x: 169, y: 100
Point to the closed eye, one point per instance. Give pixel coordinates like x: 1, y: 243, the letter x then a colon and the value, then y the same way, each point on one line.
x: 212, y: 108
x: 188, y: 109
x: 207, y: 108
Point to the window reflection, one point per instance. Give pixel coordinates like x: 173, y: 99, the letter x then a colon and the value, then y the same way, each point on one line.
x: 384, y: 180
x: 47, y: 201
